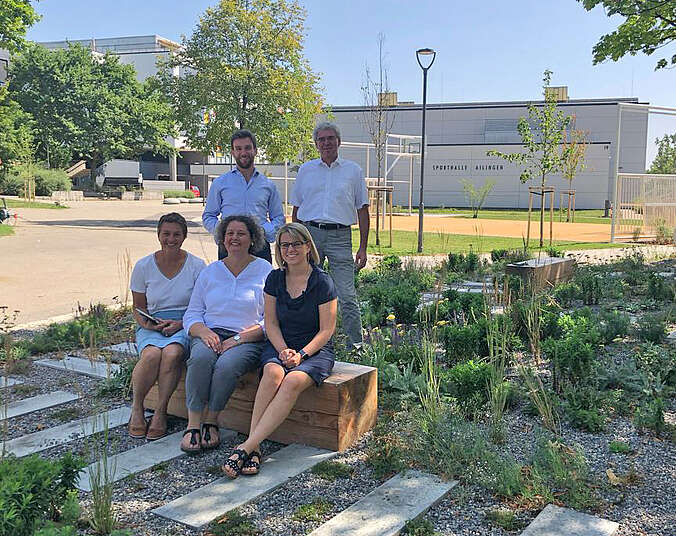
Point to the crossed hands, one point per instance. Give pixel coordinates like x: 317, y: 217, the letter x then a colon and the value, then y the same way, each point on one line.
x: 289, y: 358
x: 166, y: 327
x: 213, y: 341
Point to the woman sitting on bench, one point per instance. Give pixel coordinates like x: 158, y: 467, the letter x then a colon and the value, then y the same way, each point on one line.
x: 300, y: 318
x: 224, y: 319
x: 161, y: 285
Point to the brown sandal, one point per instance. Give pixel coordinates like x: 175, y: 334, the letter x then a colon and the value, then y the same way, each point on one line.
x: 152, y: 435
x: 138, y: 431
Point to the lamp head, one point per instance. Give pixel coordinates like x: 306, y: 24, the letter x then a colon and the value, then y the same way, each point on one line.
x: 425, y: 57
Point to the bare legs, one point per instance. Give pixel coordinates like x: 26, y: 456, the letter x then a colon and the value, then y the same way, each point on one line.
x: 161, y: 365
x: 275, y: 398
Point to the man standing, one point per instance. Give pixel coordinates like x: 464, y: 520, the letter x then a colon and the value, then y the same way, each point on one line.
x: 245, y: 191
x: 328, y: 197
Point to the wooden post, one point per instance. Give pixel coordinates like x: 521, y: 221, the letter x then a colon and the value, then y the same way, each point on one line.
x: 391, y: 210
x: 551, y: 215
x: 572, y: 218
x: 530, y: 208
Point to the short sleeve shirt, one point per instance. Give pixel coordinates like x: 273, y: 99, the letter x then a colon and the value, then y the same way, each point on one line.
x: 329, y: 194
x: 299, y: 317
x: 163, y: 293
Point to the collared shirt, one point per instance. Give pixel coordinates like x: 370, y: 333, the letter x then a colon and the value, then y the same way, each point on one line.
x: 221, y: 300
x: 231, y: 194
x: 329, y: 194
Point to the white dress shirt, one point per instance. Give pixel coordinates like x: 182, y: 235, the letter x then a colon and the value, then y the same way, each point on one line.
x: 221, y: 300
x: 329, y: 194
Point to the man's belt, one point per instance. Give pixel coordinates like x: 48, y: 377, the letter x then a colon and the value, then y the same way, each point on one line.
x: 327, y: 226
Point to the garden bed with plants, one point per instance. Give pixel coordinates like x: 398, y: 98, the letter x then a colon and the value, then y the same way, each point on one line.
x: 564, y: 395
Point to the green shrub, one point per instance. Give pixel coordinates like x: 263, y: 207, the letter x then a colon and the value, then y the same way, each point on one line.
x: 33, y: 490
x: 619, y: 447
x: 120, y: 382
x: 46, y: 180
x: 468, y: 384
x: 664, y: 234
x: 582, y: 405
x: 330, y: 470
x: 659, y: 289
x: 11, y: 184
x: 590, y: 287
x: 463, y: 342
x: 312, y: 511
x: 651, y: 327
x: 553, y: 251
x: 566, y: 293
x: 186, y: 194
x: 419, y: 527
x: 233, y: 524
x: 53, y: 530
x: 658, y: 363
x: 77, y: 333
x: 573, y: 355
x: 389, y: 264
x: 613, y: 324
x: 498, y: 254
x: 463, y: 264
x: 650, y: 415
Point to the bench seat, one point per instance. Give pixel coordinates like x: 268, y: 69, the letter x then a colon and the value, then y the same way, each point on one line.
x: 333, y: 416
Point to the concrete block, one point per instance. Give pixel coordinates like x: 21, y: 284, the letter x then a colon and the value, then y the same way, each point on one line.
x: 385, y: 510
x: 8, y: 382
x: 123, y: 348
x: 95, y: 369
x: 143, y: 457
x: 35, y: 403
x: 45, y: 439
x: 557, y: 521
x: 207, y: 503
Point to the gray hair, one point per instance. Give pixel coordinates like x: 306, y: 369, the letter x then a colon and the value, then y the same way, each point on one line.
x: 325, y: 125
x: 255, y: 230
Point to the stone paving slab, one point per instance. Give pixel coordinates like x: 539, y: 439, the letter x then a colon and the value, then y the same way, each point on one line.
x: 95, y: 369
x: 35, y: 403
x: 123, y: 348
x: 557, y: 521
x: 8, y: 382
x: 58, y: 435
x: 385, y: 510
x: 209, y: 502
x: 144, y: 457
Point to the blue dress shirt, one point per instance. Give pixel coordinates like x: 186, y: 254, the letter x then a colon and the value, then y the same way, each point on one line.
x: 231, y: 194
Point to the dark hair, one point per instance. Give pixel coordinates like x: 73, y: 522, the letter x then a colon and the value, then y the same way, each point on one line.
x: 173, y: 217
x: 255, y: 230
x: 242, y: 134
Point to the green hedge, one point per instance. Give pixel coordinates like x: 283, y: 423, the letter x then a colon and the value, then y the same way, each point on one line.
x: 46, y: 180
x: 188, y: 194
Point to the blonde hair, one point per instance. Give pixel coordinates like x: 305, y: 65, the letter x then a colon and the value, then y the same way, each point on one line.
x: 299, y: 232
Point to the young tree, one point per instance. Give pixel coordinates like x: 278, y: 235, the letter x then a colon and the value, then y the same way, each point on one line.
x: 88, y: 106
x: 16, y: 16
x: 379, y: 117
x: 541, y: 135
x: 648, y: 26
x: 665, y: 160
x: 244, y: 67
x: 476, y: 198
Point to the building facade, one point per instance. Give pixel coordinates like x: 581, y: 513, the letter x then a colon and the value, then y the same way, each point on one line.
x: 460, y: 134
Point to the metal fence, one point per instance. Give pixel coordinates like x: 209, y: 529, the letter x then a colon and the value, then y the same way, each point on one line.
x: 644, y: 203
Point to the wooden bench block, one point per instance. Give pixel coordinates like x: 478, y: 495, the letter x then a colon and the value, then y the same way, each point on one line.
x: 332, y: 416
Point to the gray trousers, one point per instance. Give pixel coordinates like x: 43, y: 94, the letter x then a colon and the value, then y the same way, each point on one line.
x: 211, y: 378
x: 336, y: 246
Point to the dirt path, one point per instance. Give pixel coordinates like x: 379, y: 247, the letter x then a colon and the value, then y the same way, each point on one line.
x: 58, y: 259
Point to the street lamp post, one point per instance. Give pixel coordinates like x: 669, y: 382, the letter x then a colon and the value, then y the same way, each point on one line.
x: 425, y: 57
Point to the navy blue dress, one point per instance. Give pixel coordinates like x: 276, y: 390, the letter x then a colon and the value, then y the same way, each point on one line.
x: 299, y: 321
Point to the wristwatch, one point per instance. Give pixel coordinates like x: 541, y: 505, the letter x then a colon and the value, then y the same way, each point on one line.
x: 303, y: 355
x: 237, y: 338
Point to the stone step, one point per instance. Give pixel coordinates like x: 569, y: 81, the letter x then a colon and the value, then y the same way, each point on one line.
x: 557, y: 521
x: 58, y: 435
x: 123, y: 348
x: 143, y: 457
x: 385, y: 510
x: 207, y: 503
x: 35, y: 403
x: 8, y: 382
x: 95, y: 369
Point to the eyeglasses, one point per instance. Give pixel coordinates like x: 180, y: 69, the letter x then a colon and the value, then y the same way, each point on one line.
x: 294, y: 245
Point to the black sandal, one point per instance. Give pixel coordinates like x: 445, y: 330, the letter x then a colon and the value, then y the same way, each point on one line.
x: 242, y: 456
x: 251, y: 464
x: 206, y: 435
x: 195, y: 439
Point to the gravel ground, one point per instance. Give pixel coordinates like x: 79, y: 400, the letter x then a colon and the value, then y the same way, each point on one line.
x: 645, y: 507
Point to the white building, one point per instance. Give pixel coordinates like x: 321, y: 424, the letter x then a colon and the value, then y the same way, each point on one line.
x: 460, y: 134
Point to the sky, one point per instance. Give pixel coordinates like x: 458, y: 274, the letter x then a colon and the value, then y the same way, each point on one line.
x: 488, y: 50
